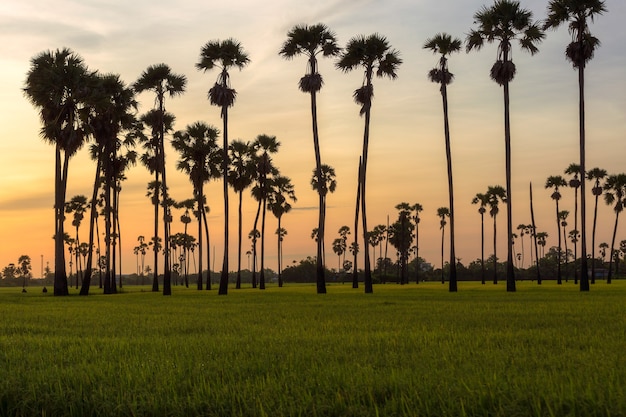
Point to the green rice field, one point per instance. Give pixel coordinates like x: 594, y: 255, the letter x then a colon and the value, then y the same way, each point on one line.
x: 414, y: 350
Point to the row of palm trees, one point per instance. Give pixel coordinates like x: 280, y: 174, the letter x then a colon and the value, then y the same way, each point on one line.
x: 76, y: 104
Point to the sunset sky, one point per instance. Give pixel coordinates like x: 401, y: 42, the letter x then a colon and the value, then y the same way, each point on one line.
x: 406, y: 158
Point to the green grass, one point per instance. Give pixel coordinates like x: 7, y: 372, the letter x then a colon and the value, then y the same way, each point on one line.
x: 415, y: 350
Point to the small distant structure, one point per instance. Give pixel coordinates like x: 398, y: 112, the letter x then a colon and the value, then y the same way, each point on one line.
x: 45, y: 290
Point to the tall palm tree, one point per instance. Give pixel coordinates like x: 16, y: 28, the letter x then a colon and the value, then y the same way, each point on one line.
x: 503, y: 23
x: 574, y: 182
x: 241, y: 176
x: 223, y: 55
x: 495, y: 195
x: 198, y: 148
x: 77, y: 206
x: 534, y: 234
x: 417, y: 209
x: 375, y: 56
x: 281, y: 192
x: 162, y: 81
x: 615, y: 193
x: 483, y: 200
x: 596, y: 175
x: 280, y: 234
x: 57, y: 84
x: 556, y: 182
x: 442, y: 213
x: 312, y: 41
x: 578, y: 52
x: 541, y: 240
x: 445, y: 45
x: 152, y: 121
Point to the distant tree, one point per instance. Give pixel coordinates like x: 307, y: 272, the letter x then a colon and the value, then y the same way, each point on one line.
x: 563, y: 214
x: 615, y: 194
x: 24, y: 269
x: 442, y: 213
x: 280, y: 194
x: 596, y: 175
x: 496, y: 194
x: 574, y: 182
x: 556, y: 182
x: 483, y: 200
x: 417, y: 209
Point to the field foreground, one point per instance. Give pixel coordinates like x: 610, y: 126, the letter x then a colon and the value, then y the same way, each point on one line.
x: 415, y: 350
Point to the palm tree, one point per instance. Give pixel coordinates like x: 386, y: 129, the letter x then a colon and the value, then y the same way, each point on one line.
x: 372, y: 53
x: 57, y: 84
x: 312, y: 41
x: 198, y: 150
x: 495, y: 195
x: 483, y: 200
x: 595, y: 175
x: 445, y: 45
x: 162, y: 81
x: 339, y: 247
x: 556, y: 181
x: 578, y: 52
x: 223, y: 55
x: 574, y: 182
x: 266, y: 145
x: 78, y: 206
x: 502, y: 23
x: 328, y: 184
x: 417, y: 209
x: 280, y: 233
x: 442, y: 213
x: 615, y: 193
x: 563, y: 214
x: 241, y: 176
x: 280, y: 193
x: 534, y: 234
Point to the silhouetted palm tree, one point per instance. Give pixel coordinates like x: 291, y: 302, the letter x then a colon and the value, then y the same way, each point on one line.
x: 312, y: 41
x: 563, y: 214
x: 417, y: 209
x: 162, y: 81
x: 445, y: 45
x: 615, y: 193
x: 575, y: 182
x: 223, y: 55
x: 578, y: 52
x: 483, y: 200
x: 57, y: 84
x: 374, y: 55
x: 496, y: 194
x: 595, y: 175
x: 198, y: 149
x: 241, y: 176
x: 502, y: 23
x: 442, y: 213
x: 281, y: 192
x: 556, y: 182
x: 328, y: 185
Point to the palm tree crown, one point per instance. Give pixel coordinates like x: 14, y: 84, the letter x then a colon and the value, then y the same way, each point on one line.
x: 445, y: 45
x: 504, y: 22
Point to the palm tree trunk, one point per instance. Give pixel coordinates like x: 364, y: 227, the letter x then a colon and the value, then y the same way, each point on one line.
x: 155, y: 280
x: 443, y: 230
x: 367, y: 280
x: 558, y: 225
x: 584, y: 277
x: 200, y: 204
x: 510, y: 271
x: 208, y: 250
x: 576, y: 229
x: 238, y: 283
x: 593, y: 242
x: 355, y: 270
x: 453, y: 279
x: 262, y: 272
x: 495, y: 256
x: 319, y: 264
x: 254, y: 239
x: 223, y: 289
x: 84, y: 290
x: 60, y: 274
x: 417, y: 252
x: 278, y: 252
x: 482, y: 247
x: 532, y: 218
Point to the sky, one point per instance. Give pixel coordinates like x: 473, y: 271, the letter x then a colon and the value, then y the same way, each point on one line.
x: 406, y: 155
